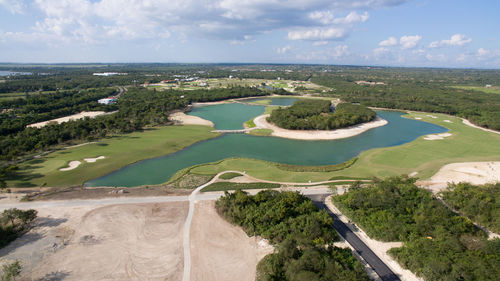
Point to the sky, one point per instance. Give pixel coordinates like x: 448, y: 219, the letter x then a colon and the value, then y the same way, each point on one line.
x: 421, y: 33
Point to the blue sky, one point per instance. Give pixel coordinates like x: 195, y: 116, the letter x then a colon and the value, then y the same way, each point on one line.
x: 435, y: 33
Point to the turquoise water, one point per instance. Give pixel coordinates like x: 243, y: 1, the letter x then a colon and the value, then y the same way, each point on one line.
x: 231, y: 116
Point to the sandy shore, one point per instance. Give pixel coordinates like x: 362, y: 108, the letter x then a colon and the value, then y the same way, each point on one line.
x: 184, y: 119
x: 468, y: 123
x: 262, y: 123
x: 81, y: 115
x: 473, y: 172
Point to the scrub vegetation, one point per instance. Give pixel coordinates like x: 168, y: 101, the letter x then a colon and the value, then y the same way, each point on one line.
x: 438, y: 244
x: 479, y: 203
x: 302, y: 234
x: 14, y: 223
x: 317, y: 115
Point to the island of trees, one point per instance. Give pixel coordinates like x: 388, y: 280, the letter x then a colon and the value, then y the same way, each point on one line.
x: 318, y: 115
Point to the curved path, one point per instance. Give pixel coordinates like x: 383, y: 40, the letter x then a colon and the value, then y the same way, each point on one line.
x: 192, y: 201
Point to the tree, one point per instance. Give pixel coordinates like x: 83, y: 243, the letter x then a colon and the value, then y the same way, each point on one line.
x: 11, y: 270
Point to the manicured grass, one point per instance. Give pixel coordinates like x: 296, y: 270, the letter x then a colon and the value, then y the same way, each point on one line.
x: 261, y: 132
x: 223, y: 186
x: 492, y: 90
x: 250, y: 124
x: 119, y: 151
x: 261, y: 102
x: 422, y: 156
x: 228, y: 176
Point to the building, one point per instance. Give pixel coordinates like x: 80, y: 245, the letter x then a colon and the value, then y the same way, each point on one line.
x: 108, y: 100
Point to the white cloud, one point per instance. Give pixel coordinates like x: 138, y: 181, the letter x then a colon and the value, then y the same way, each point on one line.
x: 283, y: 50
x: 331, y: 33
x: 326, y: 17
x: 455, y: 40
x: 100, y: 20
x: 391, y: 41
x: 409, y: 42
x: 13, y: 6
x: 379, y: 51
x: 482, y: 52
x: 320, y: 43
x: 339, y: 51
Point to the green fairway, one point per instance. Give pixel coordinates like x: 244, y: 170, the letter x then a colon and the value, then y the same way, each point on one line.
x: 491, y: 90
x: 422, y: 156
x: 119, y: 151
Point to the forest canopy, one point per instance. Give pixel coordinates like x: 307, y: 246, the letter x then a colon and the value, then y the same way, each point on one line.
x: 302, y: 234
x: 318, y: 115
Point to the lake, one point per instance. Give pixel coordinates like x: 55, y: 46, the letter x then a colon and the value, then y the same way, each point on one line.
x: 158, y: 170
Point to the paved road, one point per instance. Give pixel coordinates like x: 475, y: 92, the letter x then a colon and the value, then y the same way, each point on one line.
x: 368, y: 255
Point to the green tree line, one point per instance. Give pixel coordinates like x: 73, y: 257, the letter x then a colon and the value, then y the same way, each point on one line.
x: 302, y: 235
x: 438, y: 244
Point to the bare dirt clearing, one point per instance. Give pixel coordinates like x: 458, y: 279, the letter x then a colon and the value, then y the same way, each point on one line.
x: 115, y: 242
x: 473, y: 172
x: 81, y: 115
x: 221, y: 251
x: 184, y: 119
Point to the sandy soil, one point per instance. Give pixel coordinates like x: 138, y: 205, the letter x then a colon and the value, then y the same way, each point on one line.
x: 229, y: 254
x: 262, y: 123
x: 71, y: 165
x: 473, y: 172
x: 378, y: 247
x: 437, y: 136
x: 92, y: 160
x: 115, y: 242
x: 184, y: 119
x: 468, y: 123
x: 80, y: 115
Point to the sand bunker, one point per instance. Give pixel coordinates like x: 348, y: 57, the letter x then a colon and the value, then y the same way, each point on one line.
x: 473, y: 172
x: 71, y: 165
x: 184, y: 119
x: 418, y: 118
x: 81, y: 115
x: 437, y: 136
x: 92, y: 160
x: 447, y: 121
x: 262, y: 123
x: 221, y: 251
x: 431, y: 116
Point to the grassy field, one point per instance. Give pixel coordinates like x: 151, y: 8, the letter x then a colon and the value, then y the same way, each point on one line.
x: 261, y: 132
x: 492, y: 90
x: 119, y: 152
x: 223, y: 186
x: 423, y: 156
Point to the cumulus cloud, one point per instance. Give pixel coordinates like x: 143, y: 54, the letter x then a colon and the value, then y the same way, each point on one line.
x: 339, y: 51
x: 317, y: 34
x: 96, y: 20
x: 283, y: 50
x: 13, y: 6
x: 455, y: 40
x: 320, y: 43
x: 391, y: 41
x: 409, y: 42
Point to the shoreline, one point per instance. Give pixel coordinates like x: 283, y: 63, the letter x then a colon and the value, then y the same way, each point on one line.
x: 261, y: 123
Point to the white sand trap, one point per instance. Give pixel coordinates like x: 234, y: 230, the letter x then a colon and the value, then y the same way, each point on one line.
x: 431, y: 116
x: 413, y: 174
x: 418, y: 118
x: 184, y: 119
x: 447, y: 121
x: 72, y: 165
x: 437, y: 136
x: 92, y: 160
x: 473, y: 172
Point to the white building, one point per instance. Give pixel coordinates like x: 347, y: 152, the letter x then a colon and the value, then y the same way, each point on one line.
x: 107, y: 101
